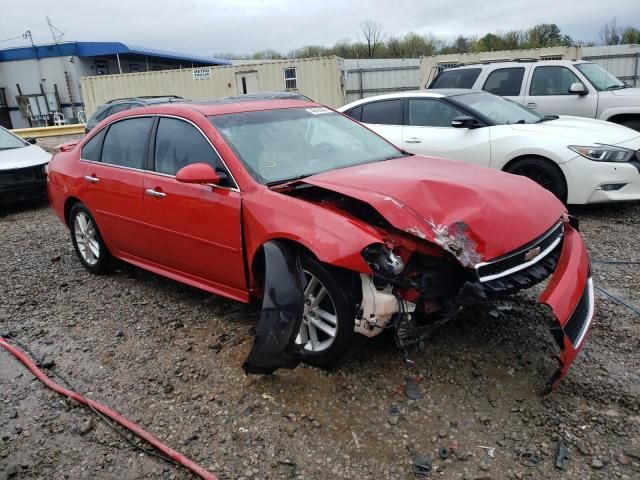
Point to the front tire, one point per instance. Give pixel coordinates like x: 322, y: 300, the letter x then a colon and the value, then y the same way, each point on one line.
x: 327, y: 323
x: 543, y: 172
x: 87, y: 241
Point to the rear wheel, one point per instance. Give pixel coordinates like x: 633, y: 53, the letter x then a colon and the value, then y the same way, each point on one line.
x: 543, y: 172
x: 327, y: 324
x: 87, y: 241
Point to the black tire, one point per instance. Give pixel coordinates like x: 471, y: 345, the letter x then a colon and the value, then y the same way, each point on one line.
x: 543, y: 172
x: 345, y: 322
x: 633, y: 124
x: 102, y: 262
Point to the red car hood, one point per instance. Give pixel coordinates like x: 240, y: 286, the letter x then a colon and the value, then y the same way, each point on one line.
x: 459, y: 206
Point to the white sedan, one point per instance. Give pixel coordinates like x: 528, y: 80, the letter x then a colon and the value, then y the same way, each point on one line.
x: 22, y: 169
x: 580, y: 160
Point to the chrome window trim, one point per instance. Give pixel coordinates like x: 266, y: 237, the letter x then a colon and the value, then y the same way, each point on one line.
x: 522, y: 266
x: 160, y: 115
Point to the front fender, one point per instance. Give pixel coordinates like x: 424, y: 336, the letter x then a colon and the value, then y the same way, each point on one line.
x: 333, y: 238
x: 571, y: 298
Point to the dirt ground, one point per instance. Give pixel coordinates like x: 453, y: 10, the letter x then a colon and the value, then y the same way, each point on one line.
x: 168, y: 357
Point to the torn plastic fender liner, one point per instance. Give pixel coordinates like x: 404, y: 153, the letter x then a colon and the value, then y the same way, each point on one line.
x: 570, y: 296
x: 282, y: 308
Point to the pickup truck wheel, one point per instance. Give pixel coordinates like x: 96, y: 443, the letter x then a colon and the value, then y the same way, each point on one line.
x: 327, y: 325
x: 633, y: 124
x: 543, y: 172
x: 87, y: 241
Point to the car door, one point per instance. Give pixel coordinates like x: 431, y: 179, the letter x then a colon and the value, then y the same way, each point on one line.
x: 114, y: 176
x: 195, y: 229
x: 506, y: 82
x: 548, y: 93
x: 384, y: 117
x: 429, y: 132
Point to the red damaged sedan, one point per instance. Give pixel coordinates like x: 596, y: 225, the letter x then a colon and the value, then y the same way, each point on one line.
x: 338, y: 231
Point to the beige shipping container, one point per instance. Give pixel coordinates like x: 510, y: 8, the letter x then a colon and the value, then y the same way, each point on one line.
x: 321, y: 79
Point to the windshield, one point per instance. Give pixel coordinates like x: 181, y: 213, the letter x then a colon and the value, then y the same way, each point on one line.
x: 599, y: 77
x: 8, y: 140
x: 284, y: 144
x: 498, y: 110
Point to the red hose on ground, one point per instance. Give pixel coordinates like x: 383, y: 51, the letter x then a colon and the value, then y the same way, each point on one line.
x: 147, y: 437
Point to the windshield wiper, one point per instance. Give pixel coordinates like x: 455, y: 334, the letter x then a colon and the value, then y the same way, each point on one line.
x: 617, y: 87
x: 287, y: 181
x: 547, y: 118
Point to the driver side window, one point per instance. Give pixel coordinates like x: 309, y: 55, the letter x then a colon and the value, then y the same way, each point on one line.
x: 431, y: 112
x: 552, y: 81
x: 179, y: 144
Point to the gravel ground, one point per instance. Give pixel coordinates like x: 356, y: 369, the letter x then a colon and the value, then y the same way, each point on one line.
x: 168, y: 357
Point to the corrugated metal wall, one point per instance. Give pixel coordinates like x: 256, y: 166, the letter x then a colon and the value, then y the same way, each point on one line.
x: 369, y: 77
x: 318, y: 78
x: 621, y: 60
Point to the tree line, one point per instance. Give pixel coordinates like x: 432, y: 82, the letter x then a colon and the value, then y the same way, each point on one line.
x: 375, y: 43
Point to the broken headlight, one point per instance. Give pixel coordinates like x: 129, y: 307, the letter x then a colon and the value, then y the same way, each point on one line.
x: 382, y: 260
x: 604, y: 153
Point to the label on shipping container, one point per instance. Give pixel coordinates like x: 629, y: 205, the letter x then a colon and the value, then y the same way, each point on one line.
x: 202, y: 73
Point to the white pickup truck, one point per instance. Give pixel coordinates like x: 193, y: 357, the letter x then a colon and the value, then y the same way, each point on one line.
x: 552, y: 87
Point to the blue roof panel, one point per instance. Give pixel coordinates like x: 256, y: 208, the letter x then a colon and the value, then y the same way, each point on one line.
x: 98, y: 49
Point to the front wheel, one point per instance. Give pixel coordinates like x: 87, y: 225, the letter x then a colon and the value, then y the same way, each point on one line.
x: 543, y: 172
x: 327, y: 322
x: 87, y: 241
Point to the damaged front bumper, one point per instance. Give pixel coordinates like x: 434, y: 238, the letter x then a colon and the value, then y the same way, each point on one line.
x: 571, y: 298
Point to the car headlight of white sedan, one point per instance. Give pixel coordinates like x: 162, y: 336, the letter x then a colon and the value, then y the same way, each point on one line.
x: 604, y: 153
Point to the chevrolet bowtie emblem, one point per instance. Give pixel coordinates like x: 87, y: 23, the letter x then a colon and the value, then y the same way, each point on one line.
x: 531, y: 254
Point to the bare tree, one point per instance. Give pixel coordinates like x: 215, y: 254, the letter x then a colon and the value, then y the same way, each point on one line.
x: 373, y: 36
x: 611, y: 33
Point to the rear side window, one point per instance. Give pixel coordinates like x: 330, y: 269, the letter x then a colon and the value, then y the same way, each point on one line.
x: 126, y: 142
x: 384, y: 112
x: 91, y: 149
x: 427, y: 112
x: 505, y: 81
x: 355, y: 113
x: 179, y: 144
x: 463, y: 78
x: 552, y: 81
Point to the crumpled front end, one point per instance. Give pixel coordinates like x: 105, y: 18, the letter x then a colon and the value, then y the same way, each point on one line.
x: 570, y: 295
x: 435, y: 288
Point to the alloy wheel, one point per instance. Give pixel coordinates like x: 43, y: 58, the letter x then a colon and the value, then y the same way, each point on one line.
x: 86, y: 237
x: 319, y: 325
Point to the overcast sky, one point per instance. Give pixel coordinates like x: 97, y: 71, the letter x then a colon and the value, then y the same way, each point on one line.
x: 244, y: 26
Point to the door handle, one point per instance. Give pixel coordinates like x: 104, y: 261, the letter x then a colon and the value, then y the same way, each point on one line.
x: 91, y: 179
x: 413, y: 140
x: 155, y: 193
x: 532, y: 105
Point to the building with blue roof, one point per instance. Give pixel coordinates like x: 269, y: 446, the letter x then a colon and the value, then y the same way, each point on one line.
x: 40, y: 84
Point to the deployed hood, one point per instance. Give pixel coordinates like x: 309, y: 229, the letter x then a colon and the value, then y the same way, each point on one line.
x: 586, y: 130
x: 487, y: 211
x: 23, y: 157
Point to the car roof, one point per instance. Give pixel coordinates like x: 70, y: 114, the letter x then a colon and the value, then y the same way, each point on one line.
x: 430, y: 93
x: 514, y: 63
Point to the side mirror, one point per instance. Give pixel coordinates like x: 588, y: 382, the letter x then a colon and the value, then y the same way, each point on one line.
x: 577, y: 88
x: 31, y: 140
x: 201, y: 173
x: 463, y: 121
